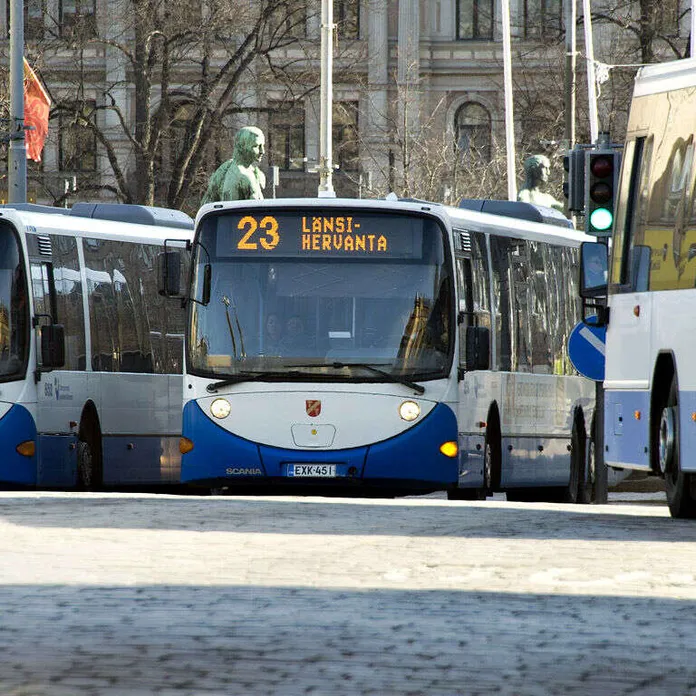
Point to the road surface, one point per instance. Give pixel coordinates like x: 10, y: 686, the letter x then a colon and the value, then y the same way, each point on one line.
x: 118, y: 594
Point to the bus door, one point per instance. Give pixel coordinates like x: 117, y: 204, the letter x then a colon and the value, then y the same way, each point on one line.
x: 55, y: 283
x: 629, y: 350
x: 474, y: 314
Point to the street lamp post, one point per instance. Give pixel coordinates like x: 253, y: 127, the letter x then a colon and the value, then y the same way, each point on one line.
x: 17, y: 158
x: 326, y: 189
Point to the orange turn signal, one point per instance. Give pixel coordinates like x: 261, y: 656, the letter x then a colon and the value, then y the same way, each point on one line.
x: 26, y: 448
x: 185, y: 445
x: 449, y: 449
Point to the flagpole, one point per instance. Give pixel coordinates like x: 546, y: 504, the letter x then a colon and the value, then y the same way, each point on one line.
x: 509, y: 112
x: 17, y: 158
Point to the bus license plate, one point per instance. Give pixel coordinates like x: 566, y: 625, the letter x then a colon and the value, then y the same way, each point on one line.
x: 312, y: 470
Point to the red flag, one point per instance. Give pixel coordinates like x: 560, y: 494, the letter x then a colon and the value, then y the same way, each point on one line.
x: 36, y: 106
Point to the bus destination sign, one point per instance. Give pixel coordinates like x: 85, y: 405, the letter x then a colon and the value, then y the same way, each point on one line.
x: 293, y: 234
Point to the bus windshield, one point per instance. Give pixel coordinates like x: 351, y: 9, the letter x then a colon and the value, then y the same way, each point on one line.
x: 300, y: 296
x: 14, y: 308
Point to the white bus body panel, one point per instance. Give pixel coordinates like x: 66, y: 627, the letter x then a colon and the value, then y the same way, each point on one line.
x: 352, y: 415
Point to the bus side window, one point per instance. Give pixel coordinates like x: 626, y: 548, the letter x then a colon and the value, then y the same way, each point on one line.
x: 102, y: 306
x: 542, y: 359
x: 466, y: 304
x: 502, y: 308
x: 480, y: 280
x: 44, y: 291
x: 68, y: 285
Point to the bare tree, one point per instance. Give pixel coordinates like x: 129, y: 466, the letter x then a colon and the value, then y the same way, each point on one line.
x: 189, y: 69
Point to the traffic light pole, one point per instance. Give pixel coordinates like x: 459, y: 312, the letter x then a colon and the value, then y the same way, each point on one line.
x: 592, y: 186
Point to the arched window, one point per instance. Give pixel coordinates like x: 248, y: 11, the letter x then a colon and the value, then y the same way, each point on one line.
x: 472, y: 124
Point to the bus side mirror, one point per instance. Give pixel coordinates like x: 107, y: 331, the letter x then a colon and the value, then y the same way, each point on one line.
x: 594, y: 265
x: 52, y: 346
x: 168, y: 272
x: 478, y: 348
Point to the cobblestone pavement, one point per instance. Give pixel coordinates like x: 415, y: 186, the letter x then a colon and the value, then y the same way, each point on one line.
x: 120, y: 594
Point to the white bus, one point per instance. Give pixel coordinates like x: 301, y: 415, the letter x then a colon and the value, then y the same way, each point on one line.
x: 650, y: 379
x: 393, y: 344
x: 90, y: 353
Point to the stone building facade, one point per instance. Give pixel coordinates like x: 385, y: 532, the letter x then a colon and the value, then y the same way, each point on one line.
x: 401, y: 67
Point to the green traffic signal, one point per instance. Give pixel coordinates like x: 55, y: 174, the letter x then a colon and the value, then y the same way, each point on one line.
x: 601, y: 219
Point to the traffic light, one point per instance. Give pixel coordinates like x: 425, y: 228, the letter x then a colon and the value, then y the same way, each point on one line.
x: 574, y: 185
x: 601, y: 185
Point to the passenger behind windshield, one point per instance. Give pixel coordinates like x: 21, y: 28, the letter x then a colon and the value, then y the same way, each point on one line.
x: 295, y: 341
x: 273, y: 336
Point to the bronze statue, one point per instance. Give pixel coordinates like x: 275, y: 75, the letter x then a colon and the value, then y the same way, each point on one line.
x: 537, y: 169
x: 240, y: 177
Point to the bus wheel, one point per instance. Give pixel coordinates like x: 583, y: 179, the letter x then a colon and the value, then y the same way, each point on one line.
x: 587, y: 489
x: 577, y: 487
x: 677, y: 483
x: 492, y: 456
x: 85, y: 466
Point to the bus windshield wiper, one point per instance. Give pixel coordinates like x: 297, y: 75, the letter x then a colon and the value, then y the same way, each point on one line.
x: 249, y: 377
x: 376, y: 370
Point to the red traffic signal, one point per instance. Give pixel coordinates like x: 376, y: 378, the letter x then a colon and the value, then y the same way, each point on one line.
x: 602, y: 166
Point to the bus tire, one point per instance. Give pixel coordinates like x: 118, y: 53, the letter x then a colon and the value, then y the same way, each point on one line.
x: 492, y: 458
x: 587, y: 490
x: 85, y: 466
x: 677, y: 484
x: 89, y: 450
x: 577, y: 489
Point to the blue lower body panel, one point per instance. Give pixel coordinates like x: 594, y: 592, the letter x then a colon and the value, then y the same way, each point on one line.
x: 16, y: 427
x: 412, y: 457
x: 57, y: 461
x: 627, y: 438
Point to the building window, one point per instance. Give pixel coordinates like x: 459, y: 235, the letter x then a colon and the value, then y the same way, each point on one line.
x: 475, y: 19
x: 347, y: 18
x: 34, y: 11
x: 345, y: 136
x: 472, y: 124
x: 77, y: 18
x: 288, y: 21
x: 77, y: 142
x: 286, y: 135
x: 543, y: 19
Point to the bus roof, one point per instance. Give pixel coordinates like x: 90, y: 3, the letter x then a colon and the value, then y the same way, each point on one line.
x: 665, y: 77
x: 517, y: 209
x: 472, y: 220
x: 116, y: 212
x: 138, y: 223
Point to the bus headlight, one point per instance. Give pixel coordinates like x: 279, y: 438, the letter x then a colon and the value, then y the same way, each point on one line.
x: 409, y: 410
x: 220, y: 408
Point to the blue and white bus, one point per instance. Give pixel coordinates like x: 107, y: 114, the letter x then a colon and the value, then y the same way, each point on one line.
x: 650, y: 379
x: 393, y: 344
x: 90, y: 352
